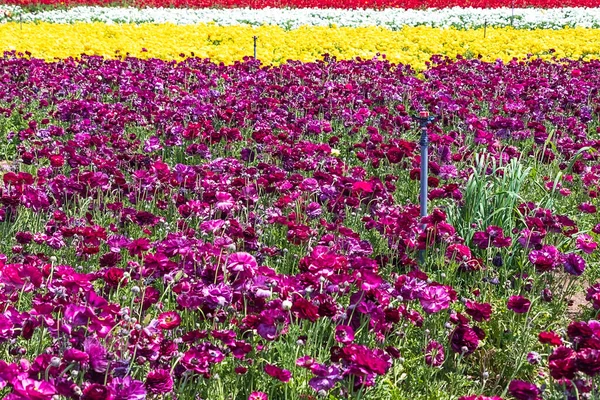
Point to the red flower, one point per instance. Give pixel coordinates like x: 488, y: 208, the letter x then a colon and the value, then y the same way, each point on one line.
x: 550, y: 338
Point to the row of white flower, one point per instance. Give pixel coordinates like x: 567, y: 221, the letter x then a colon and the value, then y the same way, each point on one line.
x: 528, y: 18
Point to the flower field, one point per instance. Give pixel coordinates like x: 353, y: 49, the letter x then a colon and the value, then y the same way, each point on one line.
x: 181, y: 220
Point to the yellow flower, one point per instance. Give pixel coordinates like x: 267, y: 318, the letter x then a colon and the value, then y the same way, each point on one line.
x: 410, y: 45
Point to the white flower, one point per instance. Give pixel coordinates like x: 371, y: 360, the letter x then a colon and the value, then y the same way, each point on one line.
x: 393, y: 18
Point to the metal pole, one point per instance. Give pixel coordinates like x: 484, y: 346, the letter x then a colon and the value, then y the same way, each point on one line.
x: 424, y: 120
x: 255, y: 38
x: 424, y: 142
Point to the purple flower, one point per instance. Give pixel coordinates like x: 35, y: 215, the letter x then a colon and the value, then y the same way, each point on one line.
x: 573, y: 264
x: 326, y: 377
x: 464, y: 340
x: 127, y: 389
x: 97, y: 354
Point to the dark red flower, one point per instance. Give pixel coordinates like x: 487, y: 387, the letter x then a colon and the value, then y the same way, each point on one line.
x: 464, y: 340
x: 518, y: 304
x: 588, y: 361
x: 478, y: 311
x: 562, y: 363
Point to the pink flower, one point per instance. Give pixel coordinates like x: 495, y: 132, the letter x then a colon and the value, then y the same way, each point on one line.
x: 434, y: 298
x: 585, y: 243
x: 169, y: 320
x: 34, y: 390
x: 258, y: 396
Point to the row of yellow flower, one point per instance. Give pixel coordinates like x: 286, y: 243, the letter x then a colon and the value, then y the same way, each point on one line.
x: 412, y: 45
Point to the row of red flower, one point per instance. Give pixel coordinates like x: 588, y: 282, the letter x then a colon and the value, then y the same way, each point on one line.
x: 412, y: 4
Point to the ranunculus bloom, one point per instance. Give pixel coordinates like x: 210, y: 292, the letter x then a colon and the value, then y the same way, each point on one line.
x: 586, y: 243
x: 434, y: 298
x: 159, y: 381
x: 478, y: 311
x: 434, y: 354
x: 464, y: 340
x: 34, y: 390
x: 344, y: 334
x: 545, y: 259
x: 550, y: 338
x: 282, y: 375
x: 522, y: 390
x: 258, y: 396
x: 97, y: 391
x: 518, y: 304
x: 573, y: 264
x: 562, y: 363
x: 593, y: 295
x: 588, y: 361
x: 168, y: 320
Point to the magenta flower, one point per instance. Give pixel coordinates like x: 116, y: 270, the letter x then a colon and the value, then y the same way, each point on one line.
x: 168, y: 320
x: 34, y: 390
x: 434, y: 298
x: 159, y: 381
x: 434, y: 354
x: 97, y: 355
x: 127, y: 389
x: 258, y: 396
x: 518, y: 304
x: 593, y: 295
x: 344, y: 334
x: 545, y: 259
x: 522, y: 390
x: 282, y: 375
x: 586, y: 243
